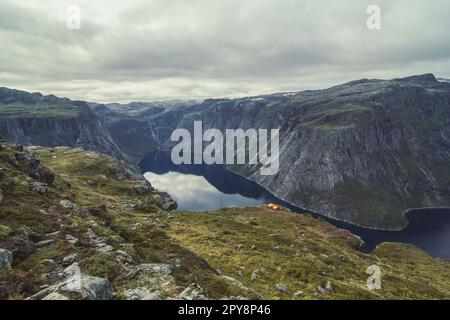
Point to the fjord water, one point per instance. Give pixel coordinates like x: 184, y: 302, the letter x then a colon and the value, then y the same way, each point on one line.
x: 199, y: 188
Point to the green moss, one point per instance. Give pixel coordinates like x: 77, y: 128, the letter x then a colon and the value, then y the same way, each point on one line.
x: 5, y: 231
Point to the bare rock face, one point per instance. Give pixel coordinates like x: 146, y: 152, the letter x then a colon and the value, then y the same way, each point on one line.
x: 56, y: 122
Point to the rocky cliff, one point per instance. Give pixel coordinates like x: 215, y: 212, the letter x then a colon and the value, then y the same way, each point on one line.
x: 34, y: 119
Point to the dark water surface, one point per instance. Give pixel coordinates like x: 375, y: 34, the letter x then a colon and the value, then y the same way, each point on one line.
x: 207, y: 188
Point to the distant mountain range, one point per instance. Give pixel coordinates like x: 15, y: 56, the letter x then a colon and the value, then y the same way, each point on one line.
x: 363, y: 152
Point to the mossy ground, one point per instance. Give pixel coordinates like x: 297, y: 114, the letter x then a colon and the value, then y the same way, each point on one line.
x: 296, y: 250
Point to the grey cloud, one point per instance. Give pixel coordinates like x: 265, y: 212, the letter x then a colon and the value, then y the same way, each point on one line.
x: 165, y: 49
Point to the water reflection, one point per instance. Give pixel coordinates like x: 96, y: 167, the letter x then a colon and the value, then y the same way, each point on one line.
x: 195, y: 193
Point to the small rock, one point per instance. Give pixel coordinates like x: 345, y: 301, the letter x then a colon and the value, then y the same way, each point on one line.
x: 153, y: 268
x: 296, y: 295
x: 71, y: 239
x: 53, y: 234
x: 282, y: 288
x: 91, y: 234
x: 44, y: 243
x: 253, y: 247
x: 141, y: 294
x: 66, y: 204
x: 40, y: 187
x: 124, y: 256
x: 239, y: 247
x: 142, y: 189
x: 193, y: 292
x: 255, y: 275
x: 6, y: 259
x: 276, y: 249
x: 328, y: 288
x: 67, y: 260
x: 55, y: 296
x: 48, y: 263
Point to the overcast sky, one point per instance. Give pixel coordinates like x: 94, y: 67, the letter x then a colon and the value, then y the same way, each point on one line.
x: 170, y: 49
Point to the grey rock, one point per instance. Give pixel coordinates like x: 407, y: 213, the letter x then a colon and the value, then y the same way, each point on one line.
x: 79, y: 286
x: 193, y: 292
x: 67, y: 204
x: 67, y: 260
x: 256, y: 274
x: 40, y: 187
x: 6, y: 259
x: 44, y: 243
x: 282, y: 288
x: 297, y: 295
x: 141, y: 294
x: 154, y: 268
x: 124, y: 256
x: 71, y: 239
x: 327, y: 290
x: 55, y: 296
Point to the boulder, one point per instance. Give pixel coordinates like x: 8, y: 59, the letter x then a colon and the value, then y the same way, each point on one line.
x: 6, y: 259
x: 89, y: 288
x: 77, y: 286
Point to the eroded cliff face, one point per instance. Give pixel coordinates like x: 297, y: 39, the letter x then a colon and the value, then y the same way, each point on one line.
x: 34, y: 119
x: 363, y: 152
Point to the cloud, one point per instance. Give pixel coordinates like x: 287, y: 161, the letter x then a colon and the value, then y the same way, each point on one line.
x: 170, y: 49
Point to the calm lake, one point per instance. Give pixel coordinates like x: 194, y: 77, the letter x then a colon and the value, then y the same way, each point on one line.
x: 208, y: 188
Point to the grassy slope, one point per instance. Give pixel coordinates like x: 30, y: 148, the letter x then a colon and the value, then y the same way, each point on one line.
x: 203, y: 242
